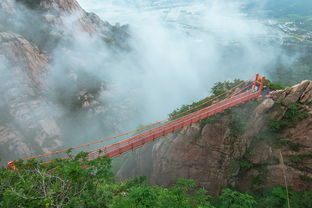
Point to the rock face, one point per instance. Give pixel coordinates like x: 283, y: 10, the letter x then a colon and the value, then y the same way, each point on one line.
x: 200, y: 153
x: 217, y: 155
x: 47, y: 22
x: 23, y: 110
x: 23, y: 57
x: 31, y: 120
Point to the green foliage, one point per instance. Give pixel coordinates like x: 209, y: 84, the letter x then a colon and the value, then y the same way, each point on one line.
x: 301, y: 199
x: 78, y: 182
x: 245, y: 165
x: 277, y: 126
x: 217, y: 89
x: 61, y: 183
x: 144, y: 196
x: 276, y: 198
x: 234, y: 199
x: 258, y: 180
x: 273, y: 85
x: 300, y: 158
x: 263, y: 198
x: 244, y: 162
x: 185, y: 109
x: 270, y: 132
x: 292, y: 115
x: 221, y: 87
x: 272, y: 198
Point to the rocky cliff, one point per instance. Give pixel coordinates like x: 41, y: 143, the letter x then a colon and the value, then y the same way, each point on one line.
x: 34, y: 116
x: 47, y: 22
x: 22, y: 108
x: 243, y: 147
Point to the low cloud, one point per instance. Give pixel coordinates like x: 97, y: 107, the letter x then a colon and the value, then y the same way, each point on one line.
x: 175, y: 56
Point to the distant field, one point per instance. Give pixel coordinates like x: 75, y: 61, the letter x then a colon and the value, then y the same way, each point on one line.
x: 281, y: 8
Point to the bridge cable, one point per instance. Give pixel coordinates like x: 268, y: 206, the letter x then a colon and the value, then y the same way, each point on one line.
x: 145, y: 127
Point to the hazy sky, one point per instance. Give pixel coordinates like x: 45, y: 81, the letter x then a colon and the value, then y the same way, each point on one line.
x: 181, y: 49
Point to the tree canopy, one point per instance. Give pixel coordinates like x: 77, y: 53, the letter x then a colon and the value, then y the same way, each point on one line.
x: 77, y: 182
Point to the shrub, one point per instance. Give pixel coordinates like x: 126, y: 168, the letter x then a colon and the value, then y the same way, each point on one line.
x: 221, y: 87
x: 297, y: 159
x: 292, y: 115
x: 217, y: 89
x: 275, y: 197
x: 234, y: 199
x: 274, y: 85
x: 78, y: 182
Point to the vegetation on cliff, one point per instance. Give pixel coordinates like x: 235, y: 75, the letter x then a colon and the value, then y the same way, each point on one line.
x: 80, y: 183
x: 77, y: 182
x: 68, y: 183
x: 218, y: 89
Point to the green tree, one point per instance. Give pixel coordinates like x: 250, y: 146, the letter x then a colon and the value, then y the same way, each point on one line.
x: 58, y: 184
x: 144, y: 196
x: 234, y: 199
x: 77, y: 182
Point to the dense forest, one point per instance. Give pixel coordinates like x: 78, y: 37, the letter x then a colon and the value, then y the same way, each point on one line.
x: 81, y: 183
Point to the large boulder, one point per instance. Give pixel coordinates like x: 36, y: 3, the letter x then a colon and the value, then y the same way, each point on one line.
x: 301, y: 93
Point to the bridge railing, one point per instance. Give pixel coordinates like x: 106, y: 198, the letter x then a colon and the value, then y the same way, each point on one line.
x: 149, y: 136
x: 168, y: 125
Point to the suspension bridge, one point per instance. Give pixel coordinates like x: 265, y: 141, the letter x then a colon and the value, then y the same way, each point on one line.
x: 245, y: 91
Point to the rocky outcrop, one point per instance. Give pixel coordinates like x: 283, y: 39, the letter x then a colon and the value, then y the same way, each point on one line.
x: 24, y: 58
x: 49, y: 22
x: 301, y: 93
x: 217, y: 155
x: 33, y: 119
x: 25, y: 124
x: 203, y: 154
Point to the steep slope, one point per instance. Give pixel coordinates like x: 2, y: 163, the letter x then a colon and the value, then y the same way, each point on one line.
x: 47, y: 22
x: 23, y: 112
x: 240, y: 147
x: 32, y: 116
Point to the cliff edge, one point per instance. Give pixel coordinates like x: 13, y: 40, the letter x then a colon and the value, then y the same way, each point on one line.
x: 237, y: 148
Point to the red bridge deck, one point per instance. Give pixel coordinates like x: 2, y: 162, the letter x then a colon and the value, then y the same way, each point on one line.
x: 170, y: 127
x: 167, y: 128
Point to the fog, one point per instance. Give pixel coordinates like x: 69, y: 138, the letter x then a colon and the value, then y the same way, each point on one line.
x: 180, y: 49
x: 174, y: 54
